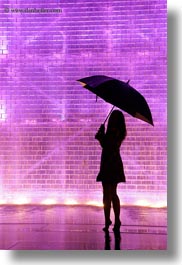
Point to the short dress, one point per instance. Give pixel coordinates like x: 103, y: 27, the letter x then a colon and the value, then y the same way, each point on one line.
x: 111, y: 166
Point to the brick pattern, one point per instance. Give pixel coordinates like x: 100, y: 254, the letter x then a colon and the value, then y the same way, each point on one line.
x: 48, y: 121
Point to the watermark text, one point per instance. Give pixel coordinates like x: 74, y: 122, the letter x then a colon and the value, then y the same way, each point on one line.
x: 32, y: 10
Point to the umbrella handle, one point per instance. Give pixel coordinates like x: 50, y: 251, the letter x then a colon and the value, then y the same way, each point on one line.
x: 109, y: 114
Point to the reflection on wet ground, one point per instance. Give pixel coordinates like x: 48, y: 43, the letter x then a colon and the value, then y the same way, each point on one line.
x: 37, y: 227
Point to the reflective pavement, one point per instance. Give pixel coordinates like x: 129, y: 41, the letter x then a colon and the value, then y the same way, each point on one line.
x: 38, y: 227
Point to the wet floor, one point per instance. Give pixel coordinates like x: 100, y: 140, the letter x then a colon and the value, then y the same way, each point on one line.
x: 36, y: 227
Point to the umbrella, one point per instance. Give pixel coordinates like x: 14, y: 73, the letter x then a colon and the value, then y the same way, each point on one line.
x: 119, y: 94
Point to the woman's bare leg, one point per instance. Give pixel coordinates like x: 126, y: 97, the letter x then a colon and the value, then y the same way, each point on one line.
x: 116, y: 205
x: 107, y: 204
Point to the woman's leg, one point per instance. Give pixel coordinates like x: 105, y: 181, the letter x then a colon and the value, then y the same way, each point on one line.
x: 116, y: 205
x: 107, y: 197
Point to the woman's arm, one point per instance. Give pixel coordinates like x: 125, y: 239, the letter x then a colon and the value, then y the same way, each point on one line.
x: 100, y: 135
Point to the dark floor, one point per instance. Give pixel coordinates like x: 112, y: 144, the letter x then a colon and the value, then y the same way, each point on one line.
x: 36, y: 227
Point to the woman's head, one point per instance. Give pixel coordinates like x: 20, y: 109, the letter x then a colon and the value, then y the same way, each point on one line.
x: 117, y: 122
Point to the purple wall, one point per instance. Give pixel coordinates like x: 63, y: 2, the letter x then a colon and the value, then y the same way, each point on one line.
x: 48, y: 121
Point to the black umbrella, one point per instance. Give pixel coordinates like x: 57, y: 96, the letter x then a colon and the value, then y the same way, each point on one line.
x: 119, y: 94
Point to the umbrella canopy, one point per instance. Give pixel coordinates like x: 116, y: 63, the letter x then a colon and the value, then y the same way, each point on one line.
x: 119, y: 94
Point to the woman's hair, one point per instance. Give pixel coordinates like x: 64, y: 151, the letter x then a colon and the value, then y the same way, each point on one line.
x: 117, y: 120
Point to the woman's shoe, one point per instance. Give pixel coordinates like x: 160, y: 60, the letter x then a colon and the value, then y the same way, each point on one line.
x: 107, y: 226
x: 116, y: 227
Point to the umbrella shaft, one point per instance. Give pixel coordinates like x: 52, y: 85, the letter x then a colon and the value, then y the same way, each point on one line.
x: 109, y: 114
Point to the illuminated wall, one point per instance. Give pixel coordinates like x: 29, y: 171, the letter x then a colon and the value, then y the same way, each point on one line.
x: 48, y: 121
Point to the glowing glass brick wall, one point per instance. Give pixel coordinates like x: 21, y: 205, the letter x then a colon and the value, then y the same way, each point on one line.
x: 48, y: 121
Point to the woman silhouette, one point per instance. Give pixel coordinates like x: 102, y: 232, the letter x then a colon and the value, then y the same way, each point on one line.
x: 111, y: 166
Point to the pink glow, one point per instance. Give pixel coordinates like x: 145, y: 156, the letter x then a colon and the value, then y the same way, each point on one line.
x: 48, y: 121
x: 49, y: 201
x: 71, y: 201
